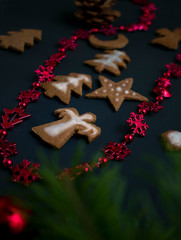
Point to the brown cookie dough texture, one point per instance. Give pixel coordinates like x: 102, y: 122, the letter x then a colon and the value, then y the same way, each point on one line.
x: 57, y: 133
x: 167, y: 38
x: 118, y: 43
x: 172, y: 140
x: 110, y: 61
x: 18, y: 40
x: 116, y: 92
x: 62, y: 86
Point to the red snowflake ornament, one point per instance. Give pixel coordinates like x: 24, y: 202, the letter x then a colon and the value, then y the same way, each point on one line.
x: 7, y: 149
x: 26, y: 172
x: 82, y: 34
x: 29, y: 96
x: 145, y: 107
x: 149, y: 8
x: 178, y: 57
x: 155, y: 107
x: 17, y: 114
x: 116, y: 151
x: 174, y: 70
x: 69, y: 44
x: 72, y: 173
x: 54, y: 59
x: 45, y: 74
x: 108, y: 30
x: 136, y: 123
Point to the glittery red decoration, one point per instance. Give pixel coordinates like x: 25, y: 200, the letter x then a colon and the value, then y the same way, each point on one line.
x: 145, y: 107
x: 102, y: 161
x: 174, y: 70
x: 18, y: 115
x: 136, y: 123
x: 128, y: 138
x: 83, y: 168
x: 69, y: 44
x: 13, y: 216
x: 108, y: 30
x: 178, y: 57
x: 149, y: 8
x: 54, y: 59
x: 26, y: 172
x: 7, y: 149
x: 116, y: 151
x: 147, y: 17
x: 82, y: 34
x: 72, y: 173
x: 29, y: 96
x: 45, y: 74
x: 161, y: 91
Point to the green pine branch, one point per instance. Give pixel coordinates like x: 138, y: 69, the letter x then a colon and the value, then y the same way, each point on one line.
x: 97, y: 206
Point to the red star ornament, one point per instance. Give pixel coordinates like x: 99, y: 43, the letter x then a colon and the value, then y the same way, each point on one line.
x: 17, y: 116
x: 116, y: 92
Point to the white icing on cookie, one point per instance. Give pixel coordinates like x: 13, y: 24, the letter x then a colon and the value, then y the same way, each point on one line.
x: 118, y: 89
x: 104, y: 91
x: 59, y: 127
x: 63, y: 86
x: 174, y: 138
x: 124, y: 85
x: 126, y: 92
x: 133, y: 93
x: 110, y: 59
x: 112, y: 89
x: 117, y: 99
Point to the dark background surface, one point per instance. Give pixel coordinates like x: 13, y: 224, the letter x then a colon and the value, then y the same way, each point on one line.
x: 56, y: 20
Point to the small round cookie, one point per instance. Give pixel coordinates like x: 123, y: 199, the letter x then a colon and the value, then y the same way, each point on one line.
x: 172, y: 140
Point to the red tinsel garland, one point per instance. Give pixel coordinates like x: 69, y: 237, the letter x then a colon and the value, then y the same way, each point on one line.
x: 27, y: 172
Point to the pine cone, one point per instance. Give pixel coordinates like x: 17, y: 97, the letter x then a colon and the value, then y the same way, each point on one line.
x: 96, y: 12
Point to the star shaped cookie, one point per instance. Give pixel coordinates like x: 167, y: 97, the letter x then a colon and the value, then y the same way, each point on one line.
x: 116, y: 92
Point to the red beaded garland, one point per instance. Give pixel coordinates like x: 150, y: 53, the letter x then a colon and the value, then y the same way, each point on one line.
x: 114, y: 151
x: 128, y: 138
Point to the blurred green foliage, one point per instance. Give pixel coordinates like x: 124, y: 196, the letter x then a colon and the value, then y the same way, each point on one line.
x: 100, y: 205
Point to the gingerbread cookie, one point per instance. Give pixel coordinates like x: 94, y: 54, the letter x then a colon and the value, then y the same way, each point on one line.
x: 116, y: 92
x: 111, y: 60
x: 61, y: 86
x: 167, y: 38
x: 59, y: 132
x: 172, y: 140
x: 17, y: 40
x: 118, y: 43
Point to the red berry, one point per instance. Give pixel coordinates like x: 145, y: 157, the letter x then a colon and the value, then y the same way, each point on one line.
x: 3, y: 132
x: 7, y: 162
x: 128, y: 138
x: 36, y: 84
x: 166, y: 74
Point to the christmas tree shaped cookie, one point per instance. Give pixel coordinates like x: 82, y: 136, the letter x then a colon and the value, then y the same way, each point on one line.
x: 17, y: 40
x: 116, y: 92
x: 167, y: 38
x: 110, y: 61
x: 61, y: 86
x: 59, y: 132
